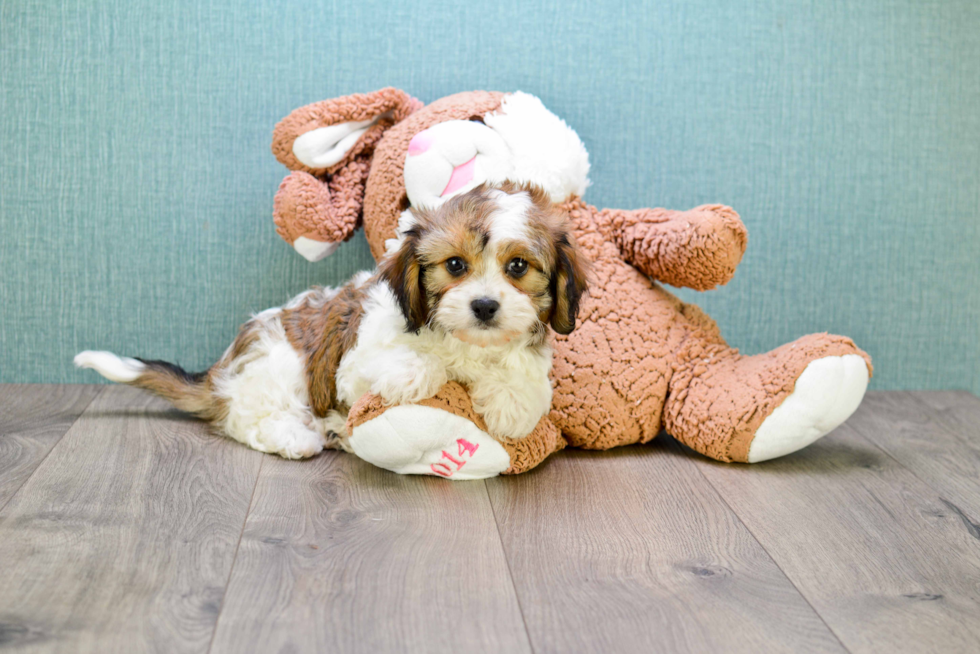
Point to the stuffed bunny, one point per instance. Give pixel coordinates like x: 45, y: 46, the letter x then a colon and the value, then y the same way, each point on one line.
x: 639, y: 361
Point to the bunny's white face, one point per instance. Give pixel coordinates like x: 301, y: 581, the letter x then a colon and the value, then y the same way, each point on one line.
x: 522, y: 142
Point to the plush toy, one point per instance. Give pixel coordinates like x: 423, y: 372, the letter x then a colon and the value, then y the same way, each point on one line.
x: 639, y: 361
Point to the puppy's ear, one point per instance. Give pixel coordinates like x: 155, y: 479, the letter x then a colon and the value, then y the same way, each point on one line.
x: 403, y: 273
x: 568, y: 282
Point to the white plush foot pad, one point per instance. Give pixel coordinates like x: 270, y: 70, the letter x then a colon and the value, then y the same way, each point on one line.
x: 421, y: 440
x: 826, y: 394
x: 312, y: 250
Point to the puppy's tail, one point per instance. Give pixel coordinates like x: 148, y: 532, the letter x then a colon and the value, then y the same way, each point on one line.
x: 188, y: 391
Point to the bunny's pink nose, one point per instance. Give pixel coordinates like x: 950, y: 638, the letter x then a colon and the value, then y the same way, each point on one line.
x: 420, y: 143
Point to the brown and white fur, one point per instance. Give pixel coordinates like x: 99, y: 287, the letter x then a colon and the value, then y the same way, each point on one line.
x: 465, y: 296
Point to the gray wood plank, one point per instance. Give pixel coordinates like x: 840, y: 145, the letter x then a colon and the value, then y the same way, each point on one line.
x: 959, y: 405
x: 874, y: 549
x: 124, y: 537
x: 936, y: 436
x: 340, y: 556
x: 631, y: 551
x: 33, y: 417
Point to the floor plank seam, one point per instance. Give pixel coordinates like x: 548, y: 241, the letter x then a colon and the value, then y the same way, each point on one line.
x: 969, y: 521
x: 48, y: 453
x: 234, y: 558
x: 510, y: 572
x: 939, y: 417
x: 690, y: 457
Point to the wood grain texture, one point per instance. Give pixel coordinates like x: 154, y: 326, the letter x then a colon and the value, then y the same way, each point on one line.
x: 32, y: 419
x: 123, y: 539
x: 140, y: 531
x: 875, y: 550
x: 340, y: 556
x: 955, y: 405
x: 630, y: 550
x: 936, y: 436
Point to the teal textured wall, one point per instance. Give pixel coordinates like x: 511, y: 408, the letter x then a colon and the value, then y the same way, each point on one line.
x: 136, y: 184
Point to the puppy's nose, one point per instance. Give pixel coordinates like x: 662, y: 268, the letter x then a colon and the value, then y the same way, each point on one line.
x: 484, y: 308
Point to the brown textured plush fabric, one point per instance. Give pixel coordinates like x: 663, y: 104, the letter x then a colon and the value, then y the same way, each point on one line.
x: 524, y: 453
x: 696, y: 249
x: 710, y: 414
x: 323, y: 211
x: 326, y: 204
x: 640, y: 359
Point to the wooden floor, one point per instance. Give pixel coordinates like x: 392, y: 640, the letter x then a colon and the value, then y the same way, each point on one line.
x: 126, y: 527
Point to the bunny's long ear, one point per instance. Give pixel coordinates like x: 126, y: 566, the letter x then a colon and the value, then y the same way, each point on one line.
x: 328, y: 145
x: 324, y: 136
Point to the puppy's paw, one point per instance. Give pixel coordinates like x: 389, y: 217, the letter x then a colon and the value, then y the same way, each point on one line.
x: 408, y: 379
x: 407, y: 389
x: 422, y: 440
x: 285, y: 435
x: 510, y: 416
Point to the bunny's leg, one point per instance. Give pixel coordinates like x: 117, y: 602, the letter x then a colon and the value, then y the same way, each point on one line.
x: 750, y: 409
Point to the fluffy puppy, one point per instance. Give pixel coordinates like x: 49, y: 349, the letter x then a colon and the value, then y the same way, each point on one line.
x: 465, y: 295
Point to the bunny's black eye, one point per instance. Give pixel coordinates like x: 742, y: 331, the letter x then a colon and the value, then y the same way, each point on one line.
x: 455, y: 266
x: 517, y: 267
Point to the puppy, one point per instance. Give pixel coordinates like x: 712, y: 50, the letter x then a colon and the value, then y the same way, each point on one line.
x: 465, y: 295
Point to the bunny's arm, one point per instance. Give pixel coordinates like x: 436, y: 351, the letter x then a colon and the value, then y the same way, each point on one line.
x: 698, y: 249
x: 314, y: 215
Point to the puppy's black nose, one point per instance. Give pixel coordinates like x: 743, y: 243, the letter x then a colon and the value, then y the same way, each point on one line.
x: 484, y: 308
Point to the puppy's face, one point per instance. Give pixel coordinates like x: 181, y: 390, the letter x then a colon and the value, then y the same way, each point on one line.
x: 488, y: 266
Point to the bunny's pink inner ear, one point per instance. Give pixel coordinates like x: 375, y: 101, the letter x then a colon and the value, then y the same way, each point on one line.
x: 327, y: 146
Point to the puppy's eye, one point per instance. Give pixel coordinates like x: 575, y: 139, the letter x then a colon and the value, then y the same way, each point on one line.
x: 517, y: 267
x: 455, y: 266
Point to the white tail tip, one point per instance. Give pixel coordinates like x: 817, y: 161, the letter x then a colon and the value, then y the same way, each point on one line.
x: 107, y: 364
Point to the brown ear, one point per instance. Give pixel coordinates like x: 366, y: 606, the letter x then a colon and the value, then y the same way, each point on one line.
x: 403, y: 273
x: 322, y: 137
x: 568, y: 282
